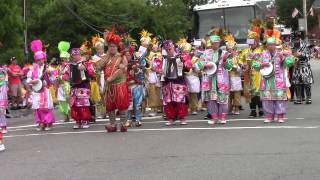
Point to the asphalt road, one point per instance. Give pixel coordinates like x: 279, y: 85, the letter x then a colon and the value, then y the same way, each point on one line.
x: 244, y: 149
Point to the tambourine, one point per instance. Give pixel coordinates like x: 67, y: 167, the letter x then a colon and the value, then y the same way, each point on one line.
x: 267, y: 72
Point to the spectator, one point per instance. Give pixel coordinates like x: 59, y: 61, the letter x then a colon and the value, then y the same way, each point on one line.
x: 15, y: 85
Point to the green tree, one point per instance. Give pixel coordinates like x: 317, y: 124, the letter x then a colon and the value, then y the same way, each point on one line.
x: 11, y: 31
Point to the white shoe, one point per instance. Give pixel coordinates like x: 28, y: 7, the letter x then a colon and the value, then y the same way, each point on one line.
x: 48, y: 129
x: 184, y: 122
x: 170, y: 123
x: 152, y: 114
x: 76, y: 126
x: 223, y: 121
x: 2, y: 147
x: 210, y: 122
x: 281, y: 121
x: 194, y: 113
x: 4, y: 131
x: 85, y: 126
x: 267, y: 121
x: 236, y: 113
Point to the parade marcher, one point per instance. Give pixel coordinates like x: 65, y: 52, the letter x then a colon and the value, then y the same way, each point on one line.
x: 3, y: 101
x: 302, y: 77
x: 2, y: 147
x: 235, y: 76
x: 39, y: 78
x: 274, y: 82
x: 216, y: 84
x: 252, y: 77
x: 80, y: 72
x: 153, y: 79
x: 15, y: 85
x: 63, y: 91
x: 191, y: 77
x: 174, y: 87
x: 116, y: 89
x: 98, y: 44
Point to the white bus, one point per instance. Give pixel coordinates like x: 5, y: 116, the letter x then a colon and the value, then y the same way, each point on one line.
x: 233, y: 15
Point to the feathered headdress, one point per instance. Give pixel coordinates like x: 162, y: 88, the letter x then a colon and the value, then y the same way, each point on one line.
x: 184, y: 45
x: 64, y: 47
x: 97, y: 41
x: 113, y: 38
x: 145, y: 37
x: 36, y: 47
x: 230, y: 42
x: 86, y: 48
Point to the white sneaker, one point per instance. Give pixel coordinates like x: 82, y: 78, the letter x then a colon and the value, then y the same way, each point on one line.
x: 267, y: 121
x: 170, y: 123
x: 184, y: 122
x: 2, y: 147
x: 210, y: 122
x: 223, y: 121
x: 194, y: 113
x: 152, y: 114
x: 281, y: 121
x: 85, y: 126
x: 48, y: 129
x: 236, y: 113
x: 76, y: 126
x: 4, y: 131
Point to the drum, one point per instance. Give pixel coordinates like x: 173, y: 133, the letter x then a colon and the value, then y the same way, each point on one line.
x: 211, y: 71
x: 267, y: 72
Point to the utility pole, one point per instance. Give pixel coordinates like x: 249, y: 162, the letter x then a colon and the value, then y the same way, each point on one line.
x: 25, y: 31
x: 305, y: 16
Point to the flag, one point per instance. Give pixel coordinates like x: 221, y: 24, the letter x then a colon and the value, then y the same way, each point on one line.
x: 311, y: 11
x: 295, y: 12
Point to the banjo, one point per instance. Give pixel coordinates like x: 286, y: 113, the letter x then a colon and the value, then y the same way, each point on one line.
x: 38, y: 86
x: 267, y: 72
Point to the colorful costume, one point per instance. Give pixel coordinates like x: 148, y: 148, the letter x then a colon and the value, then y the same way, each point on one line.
x: 80, y: 89
x: 235, y: 76
x: 216, y: 87
x: 3, y: 100
x: 174, y: 87
x: 252, y: 77
x: 273, y: 88
x: 63, y: 91
x: 42, y: 101
x: 116, y: 90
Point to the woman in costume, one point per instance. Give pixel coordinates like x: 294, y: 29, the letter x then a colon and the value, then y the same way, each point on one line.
x: 216, y: 86
x: 63, y: 92
x: 174, y: 87
x: 273, y: 87
x: 39, y: 76
x: 116, y: 90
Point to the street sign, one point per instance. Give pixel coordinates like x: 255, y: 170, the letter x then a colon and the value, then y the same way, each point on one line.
x: 301, y: 24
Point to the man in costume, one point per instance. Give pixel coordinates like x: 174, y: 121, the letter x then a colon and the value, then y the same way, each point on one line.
x: 235, y: 76
x: 273, y: 87
x: 174, y: 87
x: 80, y: 72
x: 116, y: 92
x: 39, y: 76
x: 63, y: 91
x: 191, y: 77
x: 252, y: 77
x: 217, y: 85
x: 302, y: 76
